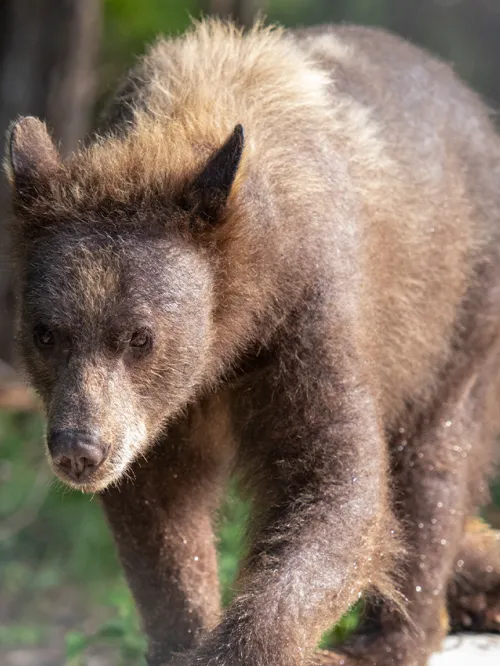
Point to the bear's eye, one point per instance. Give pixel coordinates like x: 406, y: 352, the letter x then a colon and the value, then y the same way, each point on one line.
x: 44, y: 338
x: 141, y: 340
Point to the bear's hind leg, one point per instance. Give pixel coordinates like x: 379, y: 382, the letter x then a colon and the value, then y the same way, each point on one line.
x: 432, y: 470
x: 474, y: 591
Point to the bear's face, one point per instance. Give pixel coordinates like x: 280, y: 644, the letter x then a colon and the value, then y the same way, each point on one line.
x: 116, y: 289
x: 115, y: 334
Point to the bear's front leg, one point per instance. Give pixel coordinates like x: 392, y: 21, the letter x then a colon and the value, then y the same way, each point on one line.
x: 161, y: 520
x: 314, y: 456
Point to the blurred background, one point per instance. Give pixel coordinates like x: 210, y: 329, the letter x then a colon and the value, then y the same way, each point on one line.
x: 62, y: 596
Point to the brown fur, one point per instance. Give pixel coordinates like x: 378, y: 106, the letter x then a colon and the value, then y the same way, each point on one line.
x: 330, y: 334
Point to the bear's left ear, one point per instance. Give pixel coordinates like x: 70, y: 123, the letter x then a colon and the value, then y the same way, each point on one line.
x: 32, y: 155
x: 208, y: 194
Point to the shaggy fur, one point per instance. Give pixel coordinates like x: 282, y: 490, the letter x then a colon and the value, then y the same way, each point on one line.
x: 311, y: 303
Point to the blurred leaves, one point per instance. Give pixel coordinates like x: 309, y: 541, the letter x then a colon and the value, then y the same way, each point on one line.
x: 130, y: 26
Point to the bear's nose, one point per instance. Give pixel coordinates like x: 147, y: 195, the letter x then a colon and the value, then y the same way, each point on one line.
x: 77, y: 454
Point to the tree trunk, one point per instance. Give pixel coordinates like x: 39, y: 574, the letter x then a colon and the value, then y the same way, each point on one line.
x: 47, y: 56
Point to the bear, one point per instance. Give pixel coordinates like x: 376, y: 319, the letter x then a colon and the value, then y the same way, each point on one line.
x: 277, y: 260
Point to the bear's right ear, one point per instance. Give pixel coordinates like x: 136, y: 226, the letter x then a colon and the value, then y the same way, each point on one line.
x: 208, y: 194
x: 32, y: 155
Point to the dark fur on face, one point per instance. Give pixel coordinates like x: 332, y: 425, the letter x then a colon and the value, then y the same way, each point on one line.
x: 280, y: 257
x: 108, y: 294
x: 138, y: 272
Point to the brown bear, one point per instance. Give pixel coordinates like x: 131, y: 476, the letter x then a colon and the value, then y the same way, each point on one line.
x: 278, y: 259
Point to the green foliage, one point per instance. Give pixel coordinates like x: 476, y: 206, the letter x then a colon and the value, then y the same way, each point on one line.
x: 129, y: 26
x: 121, y: 631
x: 347, y: 625
x: 21, y: 633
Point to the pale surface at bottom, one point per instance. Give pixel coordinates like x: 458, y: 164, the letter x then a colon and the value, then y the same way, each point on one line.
x: 469, y: 650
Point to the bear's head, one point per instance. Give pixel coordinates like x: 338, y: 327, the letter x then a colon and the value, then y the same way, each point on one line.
x: 116, y: 282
